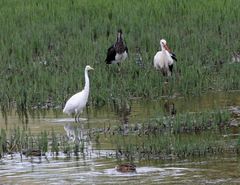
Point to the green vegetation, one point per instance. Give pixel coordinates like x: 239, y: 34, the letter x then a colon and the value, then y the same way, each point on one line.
x: 46, y: 44
x: 24, y: 142
x: 183, y: 136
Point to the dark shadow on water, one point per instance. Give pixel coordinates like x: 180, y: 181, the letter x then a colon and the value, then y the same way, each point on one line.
x: 122, y: 109
x: 169, y: 108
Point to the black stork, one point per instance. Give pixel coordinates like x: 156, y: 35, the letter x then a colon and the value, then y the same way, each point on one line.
x: 118, y: 52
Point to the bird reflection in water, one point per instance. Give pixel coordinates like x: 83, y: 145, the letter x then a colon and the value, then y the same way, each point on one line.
x: 76, y: 132
x: 80, y: 136
x: 169, y: 108
x: 123, y: 111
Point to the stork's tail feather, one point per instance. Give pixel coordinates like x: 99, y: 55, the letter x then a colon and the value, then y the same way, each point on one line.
x: 174, y: 57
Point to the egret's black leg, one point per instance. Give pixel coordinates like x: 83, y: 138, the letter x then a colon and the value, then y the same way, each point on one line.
x: 171, y: 68
x: 78, y: 118
x: 75, y: 117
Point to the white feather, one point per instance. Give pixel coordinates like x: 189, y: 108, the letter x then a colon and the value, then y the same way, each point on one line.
x: 120, y: 57
x: 163, y: 59
x: 78, y: 101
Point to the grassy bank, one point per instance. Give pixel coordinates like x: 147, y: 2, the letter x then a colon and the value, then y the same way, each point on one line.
x: 45, y: 46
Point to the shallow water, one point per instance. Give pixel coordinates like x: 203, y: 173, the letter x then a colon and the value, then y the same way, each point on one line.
x: 140, y: 110
x: 98, y: 166
x: 99, y: 170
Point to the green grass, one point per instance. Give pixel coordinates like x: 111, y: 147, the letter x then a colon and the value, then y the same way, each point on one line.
x: 181, y: 123
x: 67, y: 35
x: 182, y: 136
x: 169, y: 146
x: 20, y: 140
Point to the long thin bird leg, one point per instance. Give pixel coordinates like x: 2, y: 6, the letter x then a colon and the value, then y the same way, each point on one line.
x: 75, y: 117
x: 119, y: 67
x: 78, y: 118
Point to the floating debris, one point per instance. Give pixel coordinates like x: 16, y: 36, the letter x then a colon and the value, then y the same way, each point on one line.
x: 169, y: 108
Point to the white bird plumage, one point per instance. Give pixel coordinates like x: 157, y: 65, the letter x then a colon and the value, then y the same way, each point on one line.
x: 78, y: 101
x: 163, y: 60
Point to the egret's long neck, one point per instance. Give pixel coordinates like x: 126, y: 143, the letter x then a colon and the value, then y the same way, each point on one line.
x: 86, y: 87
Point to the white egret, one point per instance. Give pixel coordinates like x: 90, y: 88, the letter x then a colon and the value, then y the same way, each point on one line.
x: 163, y: 60
x: 78, y: 101
x: 118, y: 52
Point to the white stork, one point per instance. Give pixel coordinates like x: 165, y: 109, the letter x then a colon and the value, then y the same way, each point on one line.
x: 163, y: 60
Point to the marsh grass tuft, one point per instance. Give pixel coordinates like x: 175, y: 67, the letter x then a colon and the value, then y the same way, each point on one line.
x: 3, y: 143
x: 22, y: 141
x: 182, y: 136
x: 54, y: 144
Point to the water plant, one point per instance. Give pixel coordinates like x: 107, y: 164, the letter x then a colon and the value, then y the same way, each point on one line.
x: 170, y: 146
x: 55, y: 144
x: 214, y: 120
x: 42, y: 55
x: 3, y: 143
x: 23, y: 141
x: 182, y: 136
x: 42, y: 142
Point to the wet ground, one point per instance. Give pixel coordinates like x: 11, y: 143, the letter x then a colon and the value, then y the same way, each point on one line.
x: 97, y: 166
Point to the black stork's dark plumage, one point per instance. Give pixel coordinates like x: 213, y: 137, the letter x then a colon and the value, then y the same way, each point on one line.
x: 118, y: 52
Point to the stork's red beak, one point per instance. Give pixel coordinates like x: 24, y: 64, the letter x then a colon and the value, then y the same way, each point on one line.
x: 166, y: 47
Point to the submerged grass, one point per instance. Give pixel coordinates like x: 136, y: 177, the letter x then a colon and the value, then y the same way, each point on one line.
x: 218, y: 120
x: 185, y: 135
x: 169, y: 146
x: 24, y: 142
x: 45, y: 46
x: 171, y: 137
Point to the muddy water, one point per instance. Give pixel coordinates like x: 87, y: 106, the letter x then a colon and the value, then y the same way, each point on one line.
x: 98, y: 170
x: 98, y: 166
